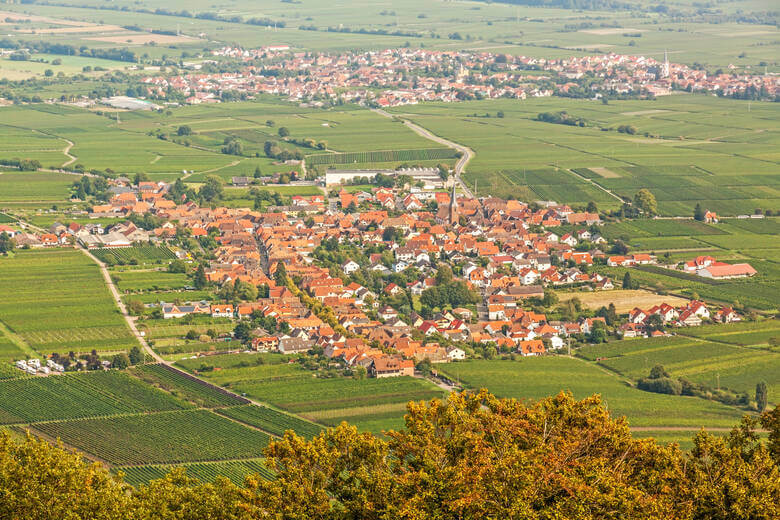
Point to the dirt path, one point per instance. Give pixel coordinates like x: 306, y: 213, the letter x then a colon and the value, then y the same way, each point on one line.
x: 460, y: 166
x: 122, y: 308
x: 593, y: 183
x: 183, y: 177
x: 66, y: 151
x: 17, y: 340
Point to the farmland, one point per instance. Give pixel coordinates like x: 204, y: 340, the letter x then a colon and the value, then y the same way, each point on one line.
x: 236, y: 471
x: 270, y: 420
x: 624, y: 300
x: 22, y: 189
x: 385, y: 156
x: 180, y: 385
x: 535, y: 378
x: 714, y: 363
x: 500, y: 27
x: 37, y: 132
x: 165, y: 437
x: 371, y: 404
x: 79, y: 395
x: 704, y: 151
x: 77, y: 314
x: 139, y: 254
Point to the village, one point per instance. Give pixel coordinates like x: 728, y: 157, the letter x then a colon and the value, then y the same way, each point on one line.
x: 403, y: 76
x: 386, y: 279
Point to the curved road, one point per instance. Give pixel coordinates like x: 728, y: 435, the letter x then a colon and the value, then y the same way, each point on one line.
x: 466, y: 153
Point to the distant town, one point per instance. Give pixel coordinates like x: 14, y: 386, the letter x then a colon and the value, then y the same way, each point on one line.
x: 408, y: 76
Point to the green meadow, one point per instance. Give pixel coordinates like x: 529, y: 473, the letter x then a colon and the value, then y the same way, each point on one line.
x: 698, y: 149
x: 536, y: 378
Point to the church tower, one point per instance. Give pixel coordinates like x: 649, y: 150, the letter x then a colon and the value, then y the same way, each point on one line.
x: 453, y: 206
x: 665, y: 71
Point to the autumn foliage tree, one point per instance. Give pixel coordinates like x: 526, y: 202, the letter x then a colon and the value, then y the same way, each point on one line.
x: 472, y: 456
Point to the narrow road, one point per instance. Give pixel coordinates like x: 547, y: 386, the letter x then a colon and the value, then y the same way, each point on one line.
x: 466, y: 153
x: 66, y: 151
x: 122, y: 308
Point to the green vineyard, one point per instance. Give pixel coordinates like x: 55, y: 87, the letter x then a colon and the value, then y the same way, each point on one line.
x: 164, y: 438
x: 186, y: 387
x: 73, y: 396
x: 381, y: 156
x: 236, y: 471
x: 141, y: 254
x: 271, y: 420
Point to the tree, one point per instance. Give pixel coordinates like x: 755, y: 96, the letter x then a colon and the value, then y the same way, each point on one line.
x: 280, y: 276
x: 443, y: 275
x: 283, y: 131
x: 627, y: 282
x: 136, y: 356
x: 135, y: 307
x: 177, y: 266
x: 233, y: 147
x: 140, y: 177
x: 199, y: 280
x: 761, y: 396
x: 184, y: 130
x: 212, y: 189
x: 257, y: 173
x: 7, y: 243
x: 120, y: 361
x: 592, y: 208
x: 658, y: 371
x: 645, y: 201
x: 242, y: 331
x: 698, y: 213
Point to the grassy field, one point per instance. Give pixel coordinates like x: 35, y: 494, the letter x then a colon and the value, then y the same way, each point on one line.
x: 140, y: 254
x: 39, y: 188
x: 624, y: 300
x: 56, y: 300
x: 41, y: 132
x: 714, y: 363
x: 149, y: 280
x: 535, y: 378
x: 371, y: 404
x: 705, y: 150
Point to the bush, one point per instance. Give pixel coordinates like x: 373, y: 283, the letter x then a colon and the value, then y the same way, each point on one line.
x: 661, y: 385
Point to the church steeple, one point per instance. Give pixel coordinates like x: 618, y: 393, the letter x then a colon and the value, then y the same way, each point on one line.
x: 453, y: 206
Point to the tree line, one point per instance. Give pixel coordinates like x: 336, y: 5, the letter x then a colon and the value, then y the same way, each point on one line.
x: 470, y: 456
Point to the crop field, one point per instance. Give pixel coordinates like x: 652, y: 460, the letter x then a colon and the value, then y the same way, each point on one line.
x: 77, y: 312
x: 142, y: 254
x: 382, y: 156
x: 624, y: 300
x: 270, y: 420
x: 707, y: 362
x: 744, y: 334
x: 6, y: 219
x: 180, y: 385
x: 40, y: 188
x: 142, y: 280
x: 700, y: 150
x: 72, y: 396
x: 294, y: 389
x: 165, y: 437
x: 236, y: 471
x: 9, y: 350
x: 536, y: 378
